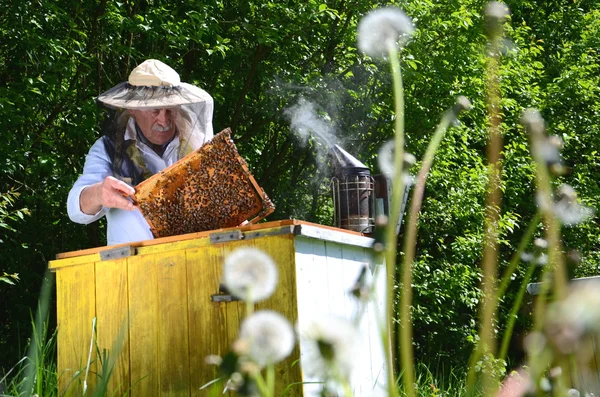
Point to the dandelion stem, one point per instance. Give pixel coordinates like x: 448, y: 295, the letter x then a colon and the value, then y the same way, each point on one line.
x: 271, y: 379
x: 554, y: 273
x: 493, y: 201
x: 525, y: 240
x: 391, y: 233
x: 262, y: 385
x: 512, y: 316
x: 410, y: 244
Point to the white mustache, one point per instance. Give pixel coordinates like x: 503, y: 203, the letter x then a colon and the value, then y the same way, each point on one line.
x: 158, y: 128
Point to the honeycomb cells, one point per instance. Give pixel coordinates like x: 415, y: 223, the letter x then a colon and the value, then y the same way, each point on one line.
x: 209, y: 189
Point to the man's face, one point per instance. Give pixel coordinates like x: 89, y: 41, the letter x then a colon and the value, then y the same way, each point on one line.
x: 157, y: 125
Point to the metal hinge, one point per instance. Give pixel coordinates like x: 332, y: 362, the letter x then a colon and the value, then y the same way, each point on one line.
x: 222, y: 237
x: 117, y: 253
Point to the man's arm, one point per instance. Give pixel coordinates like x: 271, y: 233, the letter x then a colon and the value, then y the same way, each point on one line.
x: 110, y: 193
x: 95, y: 191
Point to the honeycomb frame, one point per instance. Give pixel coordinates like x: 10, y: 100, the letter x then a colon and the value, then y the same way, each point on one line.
x: 210, y: 188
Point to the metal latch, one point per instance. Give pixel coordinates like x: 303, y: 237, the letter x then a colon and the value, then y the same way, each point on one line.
x: 222, y: 237
x: 117, y: 253
x: 223, y: 296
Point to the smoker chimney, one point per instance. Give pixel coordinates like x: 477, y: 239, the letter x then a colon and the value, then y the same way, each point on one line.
x: 353, y: 193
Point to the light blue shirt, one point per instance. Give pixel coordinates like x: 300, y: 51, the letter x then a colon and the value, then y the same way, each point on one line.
x: 122, y: 226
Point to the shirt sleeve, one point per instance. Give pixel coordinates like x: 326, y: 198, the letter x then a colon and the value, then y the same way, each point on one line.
x: 97, y: 167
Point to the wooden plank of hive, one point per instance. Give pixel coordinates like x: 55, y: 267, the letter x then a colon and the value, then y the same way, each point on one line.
x: 76, y: 304
x: 283, y: 300
x: 173, y: 338
x: 211, y: 188
x: 143, y: 325
x: 207, y: 324
x: 112, y: 313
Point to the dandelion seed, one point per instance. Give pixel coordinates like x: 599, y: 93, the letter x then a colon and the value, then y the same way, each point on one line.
x: 249, y: 273
x: 568, y: 209
x: 382, y: 29
x: 330, y: 348
x: 269, y: 335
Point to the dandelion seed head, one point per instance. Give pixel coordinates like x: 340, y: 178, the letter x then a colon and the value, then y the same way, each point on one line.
x: 409, y: 160
x: 249, y: 273
x: 567, y: 209
x: 497, y: 10
x: 461, y: 104
x: 385, y: 160
x: 382, y: 29
x: 573, y: 393
x: 570, y: 323
x: 549, y: 150
x: 330, y: 347
x: 495, y: 13
x: 534, y: 343
x: 533, y: 121
x: 269, y: 335
x: 545, y: 385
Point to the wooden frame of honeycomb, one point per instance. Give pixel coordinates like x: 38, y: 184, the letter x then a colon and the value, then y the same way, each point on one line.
x: 210, y: 188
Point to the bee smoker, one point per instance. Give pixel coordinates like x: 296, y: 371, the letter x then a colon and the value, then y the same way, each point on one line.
x: 353, y: 193
x: 358, y: 197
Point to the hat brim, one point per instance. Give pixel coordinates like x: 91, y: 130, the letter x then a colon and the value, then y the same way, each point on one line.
x: 127, y: 96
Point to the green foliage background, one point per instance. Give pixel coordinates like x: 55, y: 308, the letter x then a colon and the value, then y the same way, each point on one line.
x: 257, y: 58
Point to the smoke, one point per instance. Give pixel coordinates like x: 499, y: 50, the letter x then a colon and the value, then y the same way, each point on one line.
x: 306, y: 120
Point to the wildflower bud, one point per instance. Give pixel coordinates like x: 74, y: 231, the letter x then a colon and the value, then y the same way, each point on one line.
x: 462, y: 103
x: 213, y: 359
x: 381, y: 221
x: 540, y: 244
x: 240, y: 347
x: 539, y: 256
x: 573, y: 258
x: 558, y: 169
x: 555, y: 372
x: 250, y: 368
x: 495, y: 14
x: 236, y: 380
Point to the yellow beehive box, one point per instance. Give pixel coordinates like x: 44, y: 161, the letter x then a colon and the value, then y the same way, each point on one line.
x: 159, y: 311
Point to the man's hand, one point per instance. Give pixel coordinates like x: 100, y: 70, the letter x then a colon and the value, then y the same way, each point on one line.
x: 109, y: 193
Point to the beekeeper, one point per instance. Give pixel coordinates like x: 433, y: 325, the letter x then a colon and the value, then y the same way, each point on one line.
x: 155, y: 120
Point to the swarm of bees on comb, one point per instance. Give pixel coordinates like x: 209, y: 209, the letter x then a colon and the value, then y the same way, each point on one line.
x: 209, y: 189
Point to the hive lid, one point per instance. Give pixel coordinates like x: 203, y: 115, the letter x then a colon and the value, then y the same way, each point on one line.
x: 211, y: 188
